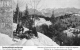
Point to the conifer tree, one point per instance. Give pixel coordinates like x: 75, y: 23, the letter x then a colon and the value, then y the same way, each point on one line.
x: 16, y: 15
x: 26, y: 13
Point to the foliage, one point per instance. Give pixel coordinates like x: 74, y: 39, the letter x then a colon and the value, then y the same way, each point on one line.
x: 16, y: 14
x: 54, y: 31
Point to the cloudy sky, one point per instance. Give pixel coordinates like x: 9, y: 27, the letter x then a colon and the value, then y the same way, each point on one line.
x: 43, y: 4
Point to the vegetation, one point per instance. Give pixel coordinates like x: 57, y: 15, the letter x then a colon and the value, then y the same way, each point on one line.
x: 54, y: 31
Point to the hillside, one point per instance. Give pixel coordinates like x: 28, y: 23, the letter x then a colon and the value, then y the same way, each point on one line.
x: 5, y: 40
x: 60, y: 11
x: 42, y: 40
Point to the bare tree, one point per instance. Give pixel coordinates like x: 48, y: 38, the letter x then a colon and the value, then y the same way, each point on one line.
x: 34, y: 4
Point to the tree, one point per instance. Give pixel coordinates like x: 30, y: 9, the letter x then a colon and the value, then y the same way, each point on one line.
x: 34, y: 4
x: 20, y: 15
x: 52, y: 14
x: 26, y: 11
x: 52, y: 17
x: 16, y: 15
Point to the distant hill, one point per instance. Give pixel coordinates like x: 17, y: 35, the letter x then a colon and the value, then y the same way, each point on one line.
x: 60, y: 11
x: 63, y: 11
x: 47, y: 12
x: 57, y: 12
x: 31, y: 11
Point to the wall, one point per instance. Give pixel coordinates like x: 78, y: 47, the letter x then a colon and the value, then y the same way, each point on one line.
x: 6, y: 17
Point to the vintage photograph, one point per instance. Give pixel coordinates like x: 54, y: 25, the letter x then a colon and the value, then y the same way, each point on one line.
x: 44, y: 23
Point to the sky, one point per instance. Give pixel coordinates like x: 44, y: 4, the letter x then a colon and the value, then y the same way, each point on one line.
x: 43, y: 4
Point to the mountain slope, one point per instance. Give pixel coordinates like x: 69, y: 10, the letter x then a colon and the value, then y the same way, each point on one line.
x: 5, y: 40
x: 42, y: 40
x: 60, y: 11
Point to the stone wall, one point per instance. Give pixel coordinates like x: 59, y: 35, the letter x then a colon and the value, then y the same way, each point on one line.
x: 6, y: 17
